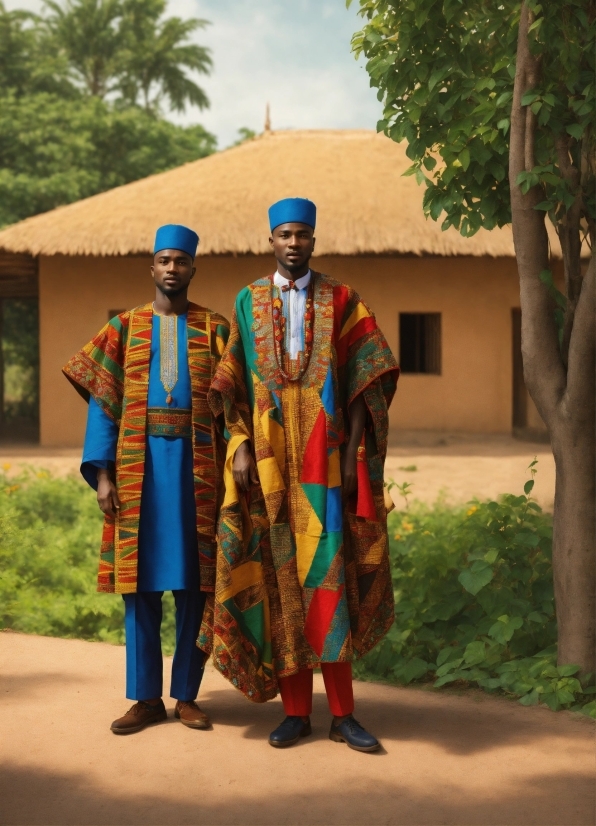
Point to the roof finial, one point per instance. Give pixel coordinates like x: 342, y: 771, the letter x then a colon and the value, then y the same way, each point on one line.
x: 267, y: 118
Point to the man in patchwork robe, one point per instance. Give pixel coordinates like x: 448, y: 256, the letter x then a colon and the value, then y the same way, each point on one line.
x: 303, y: 576
x: 152, y: 453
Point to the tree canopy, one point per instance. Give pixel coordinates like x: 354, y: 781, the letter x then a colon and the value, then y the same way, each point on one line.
x: 445, y: 71
x: 82, y: 89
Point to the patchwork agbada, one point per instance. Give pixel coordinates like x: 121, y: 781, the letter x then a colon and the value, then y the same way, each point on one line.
x: 300, y: 578
x: 114, y: 369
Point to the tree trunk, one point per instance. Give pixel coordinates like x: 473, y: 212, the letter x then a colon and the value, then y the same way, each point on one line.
x: 564, y: 393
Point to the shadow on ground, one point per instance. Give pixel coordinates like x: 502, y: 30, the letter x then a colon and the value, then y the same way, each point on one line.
x: 70, y: 799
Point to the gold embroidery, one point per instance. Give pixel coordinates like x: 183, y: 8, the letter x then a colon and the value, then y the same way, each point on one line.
x: 168, y: 353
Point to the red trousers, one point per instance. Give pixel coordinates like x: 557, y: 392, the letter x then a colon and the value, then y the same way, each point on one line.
x: 296, y: 691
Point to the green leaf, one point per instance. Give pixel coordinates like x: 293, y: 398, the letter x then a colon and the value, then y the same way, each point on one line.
x: 575, y: 130
x: 528, y: 486
x: 568, y: 670
x: 525, y: 538
x: 505, y: 627
x: 448, y: 678
x: 474, y: 581
x: 449, y: 666
x: 414, y: 670
x: 529, y: 97
x: 474, y: 653
x: 464, y: 158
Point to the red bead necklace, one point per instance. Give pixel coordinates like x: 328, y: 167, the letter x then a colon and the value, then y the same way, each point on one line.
x: 279, y: 335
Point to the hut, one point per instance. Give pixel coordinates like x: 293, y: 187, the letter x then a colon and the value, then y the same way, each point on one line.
x: 448, y: 305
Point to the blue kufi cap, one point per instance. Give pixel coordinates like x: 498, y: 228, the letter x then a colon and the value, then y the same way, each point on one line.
x: 176, y: 237
x: 293, y: 211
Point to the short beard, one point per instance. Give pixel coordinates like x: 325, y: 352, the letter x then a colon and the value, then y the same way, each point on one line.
x: 292, y: 268
x: 169, y: 292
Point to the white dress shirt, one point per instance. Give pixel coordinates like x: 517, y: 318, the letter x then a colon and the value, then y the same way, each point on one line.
x: 294, y: 304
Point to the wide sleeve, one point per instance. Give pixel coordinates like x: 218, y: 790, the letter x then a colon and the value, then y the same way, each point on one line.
x: 97, y: 371
x: 229, y: 394
x: 365, y: 363
x: 101, y: 438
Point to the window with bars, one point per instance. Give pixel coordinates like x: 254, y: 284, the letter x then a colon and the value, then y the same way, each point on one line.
x: 420, y: 343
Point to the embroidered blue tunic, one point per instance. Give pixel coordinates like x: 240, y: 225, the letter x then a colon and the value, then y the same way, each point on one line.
x: 168, y: 555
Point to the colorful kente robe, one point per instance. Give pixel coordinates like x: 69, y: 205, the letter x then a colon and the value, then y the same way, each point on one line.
x: 114, y: 370
x: 301, y: 579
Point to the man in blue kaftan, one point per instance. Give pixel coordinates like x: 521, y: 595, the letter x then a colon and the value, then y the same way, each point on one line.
x: 151, y: 453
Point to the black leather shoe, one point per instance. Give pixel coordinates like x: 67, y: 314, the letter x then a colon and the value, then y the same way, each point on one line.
x: 289, y: 732
x: 351, y: 732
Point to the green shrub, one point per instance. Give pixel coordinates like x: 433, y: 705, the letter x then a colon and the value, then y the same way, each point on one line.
x: 473, y: 589
x: 50, y: 531
x: 474, y: 603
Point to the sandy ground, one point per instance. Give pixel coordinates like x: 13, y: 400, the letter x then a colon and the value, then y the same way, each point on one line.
x: 458, y: 467
x: 446, y: 759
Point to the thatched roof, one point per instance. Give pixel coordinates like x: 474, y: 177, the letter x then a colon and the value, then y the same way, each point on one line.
x: 355, y: 178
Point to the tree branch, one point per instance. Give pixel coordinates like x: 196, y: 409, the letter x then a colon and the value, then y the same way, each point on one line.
x: 578, y: 400
x: 543, y: 369
x: 569, y: 230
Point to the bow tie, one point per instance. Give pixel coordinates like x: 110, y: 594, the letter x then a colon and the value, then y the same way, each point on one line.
x: 291, y: 285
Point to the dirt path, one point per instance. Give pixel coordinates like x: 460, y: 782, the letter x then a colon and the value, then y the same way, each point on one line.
x: 446, y: 759
x: 456, y: 466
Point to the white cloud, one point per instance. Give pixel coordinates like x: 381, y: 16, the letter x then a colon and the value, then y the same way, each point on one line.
x: 296, y: 56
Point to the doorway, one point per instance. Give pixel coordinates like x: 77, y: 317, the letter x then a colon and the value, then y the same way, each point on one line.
x: 19, y: 349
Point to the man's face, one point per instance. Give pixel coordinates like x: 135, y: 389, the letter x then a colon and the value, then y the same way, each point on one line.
x: 172, y: 271
x: 292, y: 245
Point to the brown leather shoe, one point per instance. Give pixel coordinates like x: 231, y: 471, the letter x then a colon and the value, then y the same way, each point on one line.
x: 191, y: 715
x: 139, y: 716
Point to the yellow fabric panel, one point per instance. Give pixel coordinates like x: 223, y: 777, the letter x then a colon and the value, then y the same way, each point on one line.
x: 274, y: 433
x: 269, y: 475
x: 220, y: 345
x: 231, y: 495
x: 334, y: 471
x: 374, y: 554
x: 359, y: 313
x: 306, y: 547
x: 247, y: 574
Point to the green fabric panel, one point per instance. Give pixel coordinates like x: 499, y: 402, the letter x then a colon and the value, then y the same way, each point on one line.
x: 251, y: 622
x: 329, y: 545
x: 113, y: 369
x: 222, y: 332
x: 317, y: 496
x: 245, y: 320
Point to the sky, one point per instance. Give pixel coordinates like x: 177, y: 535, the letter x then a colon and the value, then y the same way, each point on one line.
x: 293, y: 55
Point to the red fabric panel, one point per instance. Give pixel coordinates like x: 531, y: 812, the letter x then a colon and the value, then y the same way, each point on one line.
x: 340, y: 299
x: 320, y: 613
x: 315, y: 462
x: 338, y: 685
x: 365, y: 505
x: 365, y: 325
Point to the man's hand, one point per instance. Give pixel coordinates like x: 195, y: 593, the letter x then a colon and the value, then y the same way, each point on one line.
x: 107, y: 495
x: 349, y: 475
x: 244, y: 469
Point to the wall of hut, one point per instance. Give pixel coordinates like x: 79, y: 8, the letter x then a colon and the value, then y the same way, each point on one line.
x: 475, y: 297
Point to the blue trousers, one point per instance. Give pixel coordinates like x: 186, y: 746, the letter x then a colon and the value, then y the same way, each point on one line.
x: 144, y: 663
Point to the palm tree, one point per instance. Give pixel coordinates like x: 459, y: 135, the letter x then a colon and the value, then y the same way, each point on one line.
x: 123, y: 48
x: 158, y: 55
x: 89, y: 33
